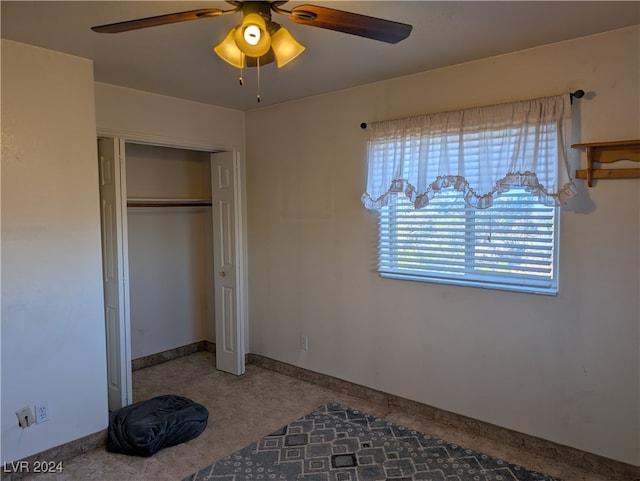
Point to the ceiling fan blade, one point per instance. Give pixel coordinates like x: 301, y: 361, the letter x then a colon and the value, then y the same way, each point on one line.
x: 157, y: 20
x: 352, y: 23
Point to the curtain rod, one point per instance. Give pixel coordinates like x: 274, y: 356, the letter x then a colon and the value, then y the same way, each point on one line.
x: 577, y: 94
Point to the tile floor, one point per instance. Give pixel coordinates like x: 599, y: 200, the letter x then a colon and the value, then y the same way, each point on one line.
x: 246, y: 408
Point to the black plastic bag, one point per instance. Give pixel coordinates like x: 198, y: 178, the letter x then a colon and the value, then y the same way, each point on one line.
x: 143, y: 428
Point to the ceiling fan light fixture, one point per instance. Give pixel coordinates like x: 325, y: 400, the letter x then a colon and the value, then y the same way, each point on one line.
x: 252, y: 37
x: 228, y: 51
x: 258, y: 41
x: 285, y: 47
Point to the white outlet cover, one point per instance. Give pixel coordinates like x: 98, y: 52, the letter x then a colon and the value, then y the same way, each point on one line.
x: 42, y: 412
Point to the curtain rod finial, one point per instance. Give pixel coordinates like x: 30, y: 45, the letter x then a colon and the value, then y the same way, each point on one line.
x: 577, y: 94
x: 363, y: 125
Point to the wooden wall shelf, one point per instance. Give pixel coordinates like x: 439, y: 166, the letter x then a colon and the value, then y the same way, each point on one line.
x: 607, y: 153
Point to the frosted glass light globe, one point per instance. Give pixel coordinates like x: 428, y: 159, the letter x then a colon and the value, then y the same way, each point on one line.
x: 252, y: 34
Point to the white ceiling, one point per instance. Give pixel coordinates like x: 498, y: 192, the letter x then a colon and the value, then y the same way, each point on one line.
x: 177, y: 60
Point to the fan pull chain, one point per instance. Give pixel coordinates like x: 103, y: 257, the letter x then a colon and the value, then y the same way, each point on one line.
x: 258, y: 96
x: 241, y: 79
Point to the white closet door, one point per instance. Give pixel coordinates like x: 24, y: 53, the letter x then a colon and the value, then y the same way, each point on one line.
x: 114, y: 263
x: 228, y: 309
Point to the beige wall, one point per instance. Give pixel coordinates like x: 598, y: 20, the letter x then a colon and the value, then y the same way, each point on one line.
x: 53, y: 336
x: 147, y: 117
x: 564, y: 368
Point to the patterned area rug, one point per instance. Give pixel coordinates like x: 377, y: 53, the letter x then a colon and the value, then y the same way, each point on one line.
x: 337, y: 443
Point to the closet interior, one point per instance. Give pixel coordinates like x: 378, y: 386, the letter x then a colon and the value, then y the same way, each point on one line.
x: 170, y: 250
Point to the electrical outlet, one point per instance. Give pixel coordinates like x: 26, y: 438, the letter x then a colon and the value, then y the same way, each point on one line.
x: 25, y: 417
x: 304, y: 343
x: 42, y: 412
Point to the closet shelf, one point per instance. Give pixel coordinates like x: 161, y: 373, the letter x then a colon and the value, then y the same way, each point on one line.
x: 607, y: 153
x: 167, y: 202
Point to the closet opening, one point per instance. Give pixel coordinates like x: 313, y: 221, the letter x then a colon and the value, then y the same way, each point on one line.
x: 170, y: 242
x: 169, y: 219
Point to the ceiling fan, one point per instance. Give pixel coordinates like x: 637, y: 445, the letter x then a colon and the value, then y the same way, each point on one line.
x: 258, y: 40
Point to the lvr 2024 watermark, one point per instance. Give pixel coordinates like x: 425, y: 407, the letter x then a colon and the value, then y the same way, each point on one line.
x: 24, y: 467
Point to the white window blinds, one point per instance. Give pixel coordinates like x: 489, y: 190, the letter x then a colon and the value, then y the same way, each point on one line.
x: 511, y: 245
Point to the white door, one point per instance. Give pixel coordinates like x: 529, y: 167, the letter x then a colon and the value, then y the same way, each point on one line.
x: 114, y: 267
x: 229, y: 311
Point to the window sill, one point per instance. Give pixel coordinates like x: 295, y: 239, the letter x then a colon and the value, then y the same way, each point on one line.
x: 541, y: 290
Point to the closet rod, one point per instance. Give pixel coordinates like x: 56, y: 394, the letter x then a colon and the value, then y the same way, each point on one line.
x: 169, y: 204
x: 578, y: 94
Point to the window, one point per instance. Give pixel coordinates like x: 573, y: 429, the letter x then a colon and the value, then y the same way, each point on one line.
x: 471, y: 197
x: 511, y: 245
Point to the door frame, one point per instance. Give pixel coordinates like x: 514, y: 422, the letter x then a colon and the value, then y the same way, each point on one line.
x: 240, y: 215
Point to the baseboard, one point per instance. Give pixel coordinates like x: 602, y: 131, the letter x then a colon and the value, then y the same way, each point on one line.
x: 171, y: 354
x: 608, y: 468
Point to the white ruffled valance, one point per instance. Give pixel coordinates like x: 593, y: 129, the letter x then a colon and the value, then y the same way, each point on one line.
x: 481, y: 152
